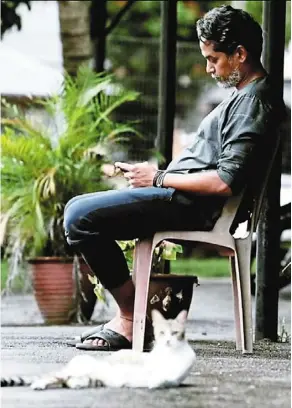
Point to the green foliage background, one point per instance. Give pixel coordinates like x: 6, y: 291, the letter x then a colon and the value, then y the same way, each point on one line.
x: 44, y: 167
x: 143, y: 18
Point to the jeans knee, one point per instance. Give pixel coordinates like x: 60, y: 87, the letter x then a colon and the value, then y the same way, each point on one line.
x: 71, y: 201
x: 72, y: 220
x: 69, y: 221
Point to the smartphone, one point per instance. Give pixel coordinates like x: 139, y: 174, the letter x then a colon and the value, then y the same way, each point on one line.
x: 120, y: 169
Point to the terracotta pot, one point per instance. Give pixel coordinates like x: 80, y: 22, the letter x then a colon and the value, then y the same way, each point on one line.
x: 170, y: 293
x: 54, y: 289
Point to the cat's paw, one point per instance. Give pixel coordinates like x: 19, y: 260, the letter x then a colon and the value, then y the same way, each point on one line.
x: 78, y: 382
x: 39, y: 385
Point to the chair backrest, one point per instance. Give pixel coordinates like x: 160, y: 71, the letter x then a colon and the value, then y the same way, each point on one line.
x: 230, y: 209
x: 247, y: 205
x: 251, y: 201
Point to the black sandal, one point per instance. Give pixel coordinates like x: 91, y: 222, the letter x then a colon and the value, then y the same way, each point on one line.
x: 114, y: 340
x: 85, y: 334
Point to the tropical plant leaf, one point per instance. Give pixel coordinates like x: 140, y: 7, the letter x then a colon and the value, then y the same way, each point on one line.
x: 43, y: 167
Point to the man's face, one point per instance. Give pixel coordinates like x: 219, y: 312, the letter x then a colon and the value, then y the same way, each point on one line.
x: 222, y: 67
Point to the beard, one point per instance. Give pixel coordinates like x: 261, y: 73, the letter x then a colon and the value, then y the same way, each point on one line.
x: 230, y: 81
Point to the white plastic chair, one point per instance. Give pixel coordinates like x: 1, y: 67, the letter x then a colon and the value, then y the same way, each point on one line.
x: 222, y: 235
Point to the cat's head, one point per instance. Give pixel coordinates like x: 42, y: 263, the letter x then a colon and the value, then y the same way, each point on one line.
x: 169, y: 332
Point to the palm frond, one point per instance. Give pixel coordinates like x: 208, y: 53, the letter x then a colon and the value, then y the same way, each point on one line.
x: 109, y: 103
x: 25, y: 128
x: 42, y: 171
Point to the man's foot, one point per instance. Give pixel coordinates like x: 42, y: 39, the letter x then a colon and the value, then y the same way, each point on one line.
x: 118, y: 324
x: 117, y: 333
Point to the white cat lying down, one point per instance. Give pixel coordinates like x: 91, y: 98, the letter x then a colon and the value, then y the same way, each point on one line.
x: 167, y: 365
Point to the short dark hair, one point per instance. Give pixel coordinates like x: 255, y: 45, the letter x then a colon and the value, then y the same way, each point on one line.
x: 228, y: 27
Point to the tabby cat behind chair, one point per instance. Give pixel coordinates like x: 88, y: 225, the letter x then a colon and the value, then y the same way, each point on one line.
x: 167, y: 365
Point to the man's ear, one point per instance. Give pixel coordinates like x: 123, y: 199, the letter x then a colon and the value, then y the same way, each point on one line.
x: 241, y: 53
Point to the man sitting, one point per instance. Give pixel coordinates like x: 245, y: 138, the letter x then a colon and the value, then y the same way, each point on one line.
x: 226, y: 153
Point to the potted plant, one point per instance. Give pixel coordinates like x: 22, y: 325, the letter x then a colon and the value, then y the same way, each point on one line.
x: 42, y: 168
x: 169, y: 293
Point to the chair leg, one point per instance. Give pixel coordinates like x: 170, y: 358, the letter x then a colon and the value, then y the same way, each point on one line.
x: 237, y: 306
x: 135, y: 260
x: 242, y: 255
x: 142, y: 265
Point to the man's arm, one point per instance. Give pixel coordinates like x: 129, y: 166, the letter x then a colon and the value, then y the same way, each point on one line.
x: 205, y: 183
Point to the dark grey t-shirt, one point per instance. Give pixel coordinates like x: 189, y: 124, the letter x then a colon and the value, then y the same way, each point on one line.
x: 235, y: 139
x: 232, y: 138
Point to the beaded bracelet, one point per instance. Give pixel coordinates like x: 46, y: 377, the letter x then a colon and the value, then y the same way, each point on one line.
x: 158, y: 178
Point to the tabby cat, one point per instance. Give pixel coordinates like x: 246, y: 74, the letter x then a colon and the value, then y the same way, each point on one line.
x: 167, y: 365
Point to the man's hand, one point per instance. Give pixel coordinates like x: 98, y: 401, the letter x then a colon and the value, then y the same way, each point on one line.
x: 139, y: 174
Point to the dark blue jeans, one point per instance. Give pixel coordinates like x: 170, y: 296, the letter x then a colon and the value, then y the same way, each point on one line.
x: 93, y: 222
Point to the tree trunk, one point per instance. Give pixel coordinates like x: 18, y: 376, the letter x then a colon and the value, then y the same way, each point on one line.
x: 75, y: 34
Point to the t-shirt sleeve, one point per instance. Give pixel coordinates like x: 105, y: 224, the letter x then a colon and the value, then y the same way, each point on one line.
x: 243, y: 128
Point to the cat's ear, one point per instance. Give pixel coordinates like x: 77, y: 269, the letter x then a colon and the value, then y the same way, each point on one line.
x: 182, y: 317
x: 157, y: 317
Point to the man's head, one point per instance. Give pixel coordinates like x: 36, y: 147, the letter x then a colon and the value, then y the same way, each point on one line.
x: 231, y: 41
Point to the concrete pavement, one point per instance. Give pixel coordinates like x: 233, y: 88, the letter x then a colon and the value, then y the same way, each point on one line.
x: 221, y: 377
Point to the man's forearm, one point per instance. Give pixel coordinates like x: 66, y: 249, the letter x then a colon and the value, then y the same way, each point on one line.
x: 206, y: 183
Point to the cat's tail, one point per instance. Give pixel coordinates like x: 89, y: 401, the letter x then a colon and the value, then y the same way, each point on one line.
x: 17, y: 381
